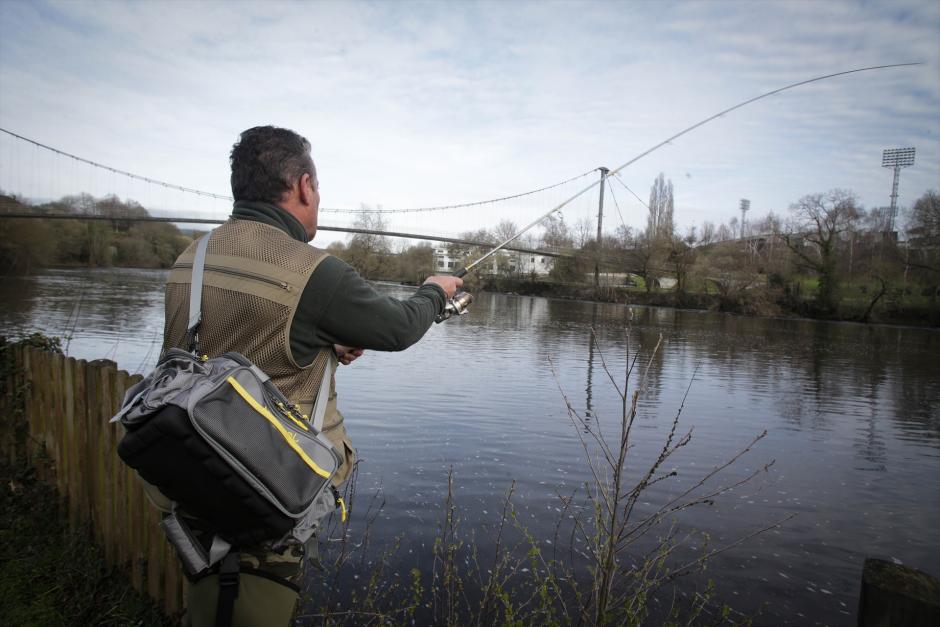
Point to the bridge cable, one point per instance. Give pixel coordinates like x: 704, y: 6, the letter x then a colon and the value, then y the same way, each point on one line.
x: 466, y: 204
x: 118, y: 171
x: 610, y: 188
x: 206, y: 194
x: 620, y: 180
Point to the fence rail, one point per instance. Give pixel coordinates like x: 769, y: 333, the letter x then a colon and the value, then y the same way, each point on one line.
x: 63, y: 405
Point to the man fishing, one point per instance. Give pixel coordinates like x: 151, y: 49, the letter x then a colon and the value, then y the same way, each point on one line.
x: 289, y: 308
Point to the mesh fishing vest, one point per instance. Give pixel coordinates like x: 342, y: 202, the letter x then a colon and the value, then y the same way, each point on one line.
x: 254, y: 276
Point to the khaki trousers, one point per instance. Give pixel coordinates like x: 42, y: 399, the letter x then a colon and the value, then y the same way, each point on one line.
x: 261, y: 602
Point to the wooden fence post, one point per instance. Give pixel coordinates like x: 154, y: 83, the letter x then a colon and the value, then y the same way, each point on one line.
x: 38, y: 362
x: 91, y: 453
x: 120, y: 492
x: 76, y: 471
x: 154, y: 552
x: 67, y: 404
x: 67, y: 439
x: 109, y: 453
x: 60, y: 419
x: 30, y: 409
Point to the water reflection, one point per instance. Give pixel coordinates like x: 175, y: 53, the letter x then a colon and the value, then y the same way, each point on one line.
x: 870, y: 443
x: 115, y: 314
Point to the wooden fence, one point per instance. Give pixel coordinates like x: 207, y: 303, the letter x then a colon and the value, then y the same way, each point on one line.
x: 66, y: 405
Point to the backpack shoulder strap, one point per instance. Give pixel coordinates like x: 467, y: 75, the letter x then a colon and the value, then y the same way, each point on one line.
x: 195, y: 294
x: 319, y: 407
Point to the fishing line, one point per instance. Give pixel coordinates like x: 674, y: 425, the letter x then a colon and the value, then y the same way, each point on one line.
x: 72, y: 325
x: 153, y: 342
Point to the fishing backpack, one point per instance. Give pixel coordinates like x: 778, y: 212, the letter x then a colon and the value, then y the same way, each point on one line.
x: 216, y: 437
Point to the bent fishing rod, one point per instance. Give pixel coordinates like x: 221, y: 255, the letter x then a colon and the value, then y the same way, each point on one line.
x: 459, y: 304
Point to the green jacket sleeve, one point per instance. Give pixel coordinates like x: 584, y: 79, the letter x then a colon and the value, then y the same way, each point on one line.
x: 338, y: 306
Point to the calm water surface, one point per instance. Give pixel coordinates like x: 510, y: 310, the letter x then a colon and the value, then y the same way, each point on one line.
x: 851, y: 414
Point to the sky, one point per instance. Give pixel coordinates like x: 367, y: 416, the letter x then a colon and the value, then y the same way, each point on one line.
x: 411, y: 104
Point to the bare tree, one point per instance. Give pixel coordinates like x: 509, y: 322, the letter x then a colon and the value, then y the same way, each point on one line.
x: 681, y: 257
x: 583, y: 231
x: 708, y: 233
x: 924, y: 235
x: 924, y: 221
x: 624, y: 237
x: 723, y: 233
x: 818, y: 222
x: 504, y: 230
x: 767, y: 225
x: 367, y: 252
x: 557, y: 232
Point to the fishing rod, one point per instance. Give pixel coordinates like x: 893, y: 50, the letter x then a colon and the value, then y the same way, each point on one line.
x: 461, y: 301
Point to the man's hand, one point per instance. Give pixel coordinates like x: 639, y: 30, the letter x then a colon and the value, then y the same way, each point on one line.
x: 346, y: 355
x: 447, y: 282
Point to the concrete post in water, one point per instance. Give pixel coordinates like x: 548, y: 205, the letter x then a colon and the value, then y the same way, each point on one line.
x: 600, y: 226
x: 893, y: 594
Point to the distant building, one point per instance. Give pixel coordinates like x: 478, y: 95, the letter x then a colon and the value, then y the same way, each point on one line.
x: 443, y: 262
x: 539, y: 265
x: 503, y: 262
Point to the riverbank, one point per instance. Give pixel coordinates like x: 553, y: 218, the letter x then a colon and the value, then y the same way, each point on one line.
x: 759, y: 302
x: 897, y: 306
x: 50, y: 575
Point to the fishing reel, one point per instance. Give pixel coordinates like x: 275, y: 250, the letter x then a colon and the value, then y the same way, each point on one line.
x: 456, y: 306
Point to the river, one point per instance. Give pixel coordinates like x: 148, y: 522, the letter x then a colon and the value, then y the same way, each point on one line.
x: 852, y: 415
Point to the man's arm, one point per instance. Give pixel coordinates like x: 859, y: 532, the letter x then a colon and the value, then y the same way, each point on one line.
x: 338, y: 306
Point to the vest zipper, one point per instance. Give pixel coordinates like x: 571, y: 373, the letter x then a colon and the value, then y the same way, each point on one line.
x: 239, y: 273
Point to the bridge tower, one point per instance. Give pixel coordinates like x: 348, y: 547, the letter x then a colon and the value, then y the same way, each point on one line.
x: 600, y: 226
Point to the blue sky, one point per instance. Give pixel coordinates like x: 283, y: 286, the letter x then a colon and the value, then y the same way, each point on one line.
x: 415, y: 104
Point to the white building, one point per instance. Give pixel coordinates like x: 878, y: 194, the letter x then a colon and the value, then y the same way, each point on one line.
x: 528, y: 263
x: 505, y: 262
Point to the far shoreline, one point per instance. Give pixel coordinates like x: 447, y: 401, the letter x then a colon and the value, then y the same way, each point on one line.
x: 620, y: 295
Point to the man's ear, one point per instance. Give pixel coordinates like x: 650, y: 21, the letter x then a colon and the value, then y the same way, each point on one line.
x: 306, y: 195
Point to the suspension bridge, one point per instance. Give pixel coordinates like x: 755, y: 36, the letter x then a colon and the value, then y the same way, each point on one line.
x: 39, y: 181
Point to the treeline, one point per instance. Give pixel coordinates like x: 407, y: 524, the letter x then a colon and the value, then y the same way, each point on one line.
x: 28, y: 243
x: 826, y: 256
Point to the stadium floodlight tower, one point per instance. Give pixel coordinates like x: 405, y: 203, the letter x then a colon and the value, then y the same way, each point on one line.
x: 896, y: 158
x: 745, y: 207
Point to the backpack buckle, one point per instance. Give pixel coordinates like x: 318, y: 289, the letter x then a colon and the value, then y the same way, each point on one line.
x: 228, y: 571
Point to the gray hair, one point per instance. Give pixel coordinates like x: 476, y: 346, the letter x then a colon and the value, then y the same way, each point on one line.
x: 266, y: 162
